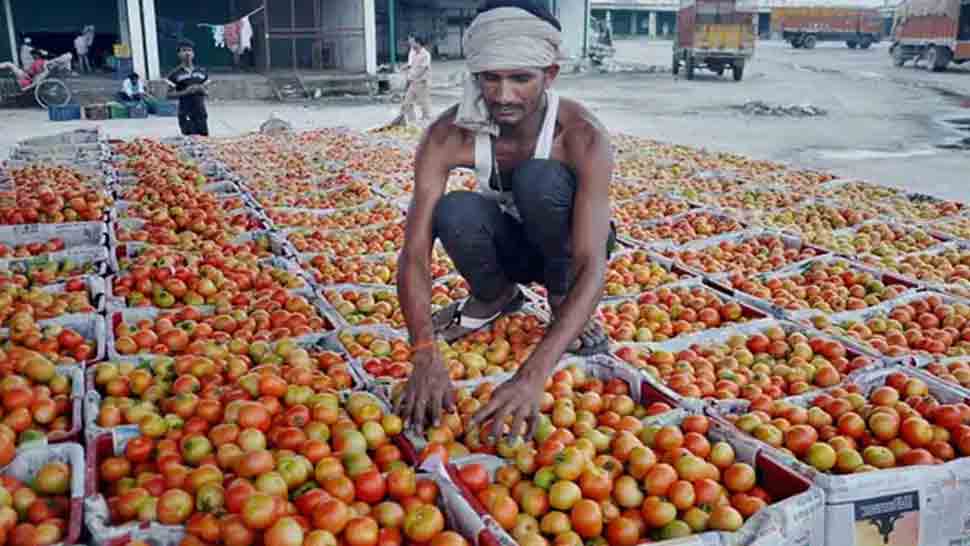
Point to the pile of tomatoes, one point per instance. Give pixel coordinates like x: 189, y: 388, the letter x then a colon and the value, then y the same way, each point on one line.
x: 892, y: 421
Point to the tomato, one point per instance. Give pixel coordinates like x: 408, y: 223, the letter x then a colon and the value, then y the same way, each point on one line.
x: 564, y: 494
x: 259, y: 511
x: 622, y: 532
x: 174, y: 507
x: 504, y: 509
x: 657, y: 513
x: 659, y: 479
x: 474, y: 476
x: 423, y: 523
x: 725, y: 518
x: 236, y: 494
x: 203, y: 526
x: 390, y: 537
x: 681, y: 494
x: 53, y: 479
x: 427, y: 491
x: 389, y: 514
x: 285, y: 532
x: 401, y: 483
x: 586, y: 518
x: 739, y: 477
x: 596, y: 484
x: 449, y: 538
x: 331, y: 515
x: 361, y: 532
x: 114, y: 468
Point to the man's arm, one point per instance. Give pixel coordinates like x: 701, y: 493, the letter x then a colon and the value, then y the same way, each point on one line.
x: 414, y: 264
x: 428, y: 390
x: 518, y: 398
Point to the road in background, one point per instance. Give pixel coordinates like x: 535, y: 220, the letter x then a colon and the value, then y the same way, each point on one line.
x: 883, y: 124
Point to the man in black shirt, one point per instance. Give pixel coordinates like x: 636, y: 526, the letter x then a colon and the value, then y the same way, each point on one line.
x: 189, y: 82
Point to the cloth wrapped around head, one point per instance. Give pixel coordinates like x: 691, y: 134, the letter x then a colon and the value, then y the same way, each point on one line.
x: 503, y: 38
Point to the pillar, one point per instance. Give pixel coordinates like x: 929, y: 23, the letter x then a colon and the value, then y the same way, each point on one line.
x: 11, y: 33
x: 652, y: 24
x: 370, y: 37
x: 137, y: 35
x: 151, y: 40
x: 392, y: 31
x: 124, y: 32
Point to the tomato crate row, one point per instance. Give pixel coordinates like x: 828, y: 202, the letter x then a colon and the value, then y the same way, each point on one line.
x: 886, y: 447
x: 253, y: 346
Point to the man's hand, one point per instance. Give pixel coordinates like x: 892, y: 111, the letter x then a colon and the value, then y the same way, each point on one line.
x: 428, y: 392
x: 517, y: 398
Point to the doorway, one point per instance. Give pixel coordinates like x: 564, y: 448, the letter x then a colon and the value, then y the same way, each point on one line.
x: 964, y: 33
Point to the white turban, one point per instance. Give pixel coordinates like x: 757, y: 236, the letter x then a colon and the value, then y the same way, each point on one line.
x: 502, y: 39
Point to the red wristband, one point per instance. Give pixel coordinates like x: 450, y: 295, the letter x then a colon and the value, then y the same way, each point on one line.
x: 427, y: 344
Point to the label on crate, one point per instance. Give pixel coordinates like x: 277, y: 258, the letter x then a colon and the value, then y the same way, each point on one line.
x: 890, y: 519
x: 121, y: 435
x: 26, y: 229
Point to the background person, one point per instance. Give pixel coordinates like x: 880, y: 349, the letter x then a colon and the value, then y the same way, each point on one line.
x: 132, y: 89
x: 419, y: 81
x: 27, y: 53
x: 188, y: 82
x: 82, y: 48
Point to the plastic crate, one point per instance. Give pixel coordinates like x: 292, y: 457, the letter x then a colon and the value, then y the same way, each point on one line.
x: 116, y: 110
x: 137, y: 110
x: 96, y: 112
x: 68, y: 112
x: 168, y: 109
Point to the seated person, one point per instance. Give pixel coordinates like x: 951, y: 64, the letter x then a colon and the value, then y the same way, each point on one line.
x: 132, y: 89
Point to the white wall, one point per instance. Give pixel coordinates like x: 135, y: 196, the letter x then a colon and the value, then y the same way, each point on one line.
x: 573, y: 17
x: 343, y: 25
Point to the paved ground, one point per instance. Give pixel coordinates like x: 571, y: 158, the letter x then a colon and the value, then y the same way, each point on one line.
x: 884, y: 124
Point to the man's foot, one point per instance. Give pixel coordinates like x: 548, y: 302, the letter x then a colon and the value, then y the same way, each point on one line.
x: 470, y: 315
x: 591, y: 341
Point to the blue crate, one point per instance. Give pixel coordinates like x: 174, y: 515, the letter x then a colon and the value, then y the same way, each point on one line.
x: 168, y: 109
x: 137, y: 110
x: 68, y: 112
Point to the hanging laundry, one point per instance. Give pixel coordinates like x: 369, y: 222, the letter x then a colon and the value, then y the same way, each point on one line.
x: 236, y: 36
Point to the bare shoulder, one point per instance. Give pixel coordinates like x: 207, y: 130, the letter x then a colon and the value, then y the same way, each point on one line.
x: 445, y: 143
x: 581, y: 130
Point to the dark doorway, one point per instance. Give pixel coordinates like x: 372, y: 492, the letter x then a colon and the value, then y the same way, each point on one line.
x: 57, y: 43
x: 964, y: 21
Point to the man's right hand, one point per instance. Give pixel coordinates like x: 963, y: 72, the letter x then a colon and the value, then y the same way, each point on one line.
x: 428, y: 391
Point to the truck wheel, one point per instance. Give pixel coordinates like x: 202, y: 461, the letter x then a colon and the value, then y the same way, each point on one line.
x: 738, y: 71
x: 796, y: 43
x: 689, y: 67
x: 718, y: 69
x: 808, y: 42
x: 851, y: 44
x: 675, y: 66
x: 866, y: 42
x: 899, y: 59
x: 937, y: 57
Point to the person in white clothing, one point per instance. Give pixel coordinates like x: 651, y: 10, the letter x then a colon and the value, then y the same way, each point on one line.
x: 541, y: 214
x: 132, y: 89
x: 27, y: 53
x: 419, y: 81
x: 82, y: 48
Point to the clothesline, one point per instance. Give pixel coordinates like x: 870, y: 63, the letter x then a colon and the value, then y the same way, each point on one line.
x: 250, y: 14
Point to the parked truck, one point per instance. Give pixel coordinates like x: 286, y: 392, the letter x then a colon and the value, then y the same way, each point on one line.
x: 934, y: 31
x: 714, y: 34
x: 803, y: 27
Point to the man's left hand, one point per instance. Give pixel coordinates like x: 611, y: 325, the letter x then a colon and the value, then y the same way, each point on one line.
x: 517, y: 398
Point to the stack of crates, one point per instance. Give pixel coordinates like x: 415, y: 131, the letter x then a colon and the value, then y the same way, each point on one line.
x: 69, y: 112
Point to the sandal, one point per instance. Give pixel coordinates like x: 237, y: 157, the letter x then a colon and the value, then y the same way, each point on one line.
x: 579, y: 347
x: 460, y: 325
